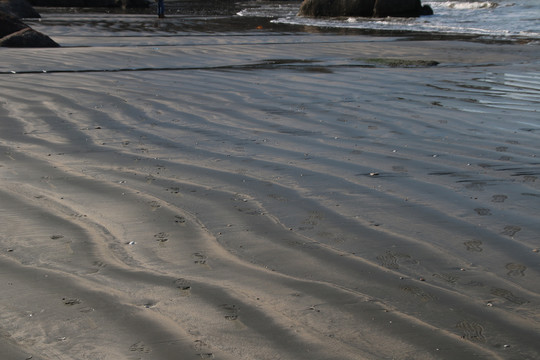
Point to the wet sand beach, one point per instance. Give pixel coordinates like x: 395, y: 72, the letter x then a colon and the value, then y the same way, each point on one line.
x: 274, y: 193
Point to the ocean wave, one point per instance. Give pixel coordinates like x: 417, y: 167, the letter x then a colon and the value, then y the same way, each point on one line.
x: 496, y: 19
x: 474, y: 5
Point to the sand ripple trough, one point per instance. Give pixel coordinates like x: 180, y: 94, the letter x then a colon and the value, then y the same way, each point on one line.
x: 315, y: 209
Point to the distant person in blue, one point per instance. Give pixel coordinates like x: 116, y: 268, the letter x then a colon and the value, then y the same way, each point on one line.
x: 160, y: 8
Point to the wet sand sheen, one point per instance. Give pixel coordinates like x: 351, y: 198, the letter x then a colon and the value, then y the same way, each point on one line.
x: 317, y: 207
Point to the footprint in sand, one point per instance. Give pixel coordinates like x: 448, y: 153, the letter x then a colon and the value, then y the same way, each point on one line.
x: 199, y: 258
x: 99, y: 264
x: 150, y: 304
x: 173, y: 189
x: 506, y: 294
x: 498, y: 198
x: 515, y: 269
x: 510, y: 230
x: 400, y: 169
x: 475, y: 283
x: 179, y: 219
x: 206, y: 355
x: 154, y: 205
x: 97, y: 267
x: 314, y: 218
x: 231, y: 311
x: 471, y: 331
x: 416, y: 291
x: 71, y: 302
x: 161, y: 237
x: 139, y: 347
x: 473, y: 245
x: 57, y: 236
x: 474, y: 185
x: 483, y: 211
x: 202, y: 349
x: 390, y: 259
x: 77, y: 215
x: 449, y: 278
x: 183, y: 285
x: 277, y: 197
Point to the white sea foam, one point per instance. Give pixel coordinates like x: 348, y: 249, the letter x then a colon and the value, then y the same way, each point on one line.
x: 499, y: 19
x: 470, y: 5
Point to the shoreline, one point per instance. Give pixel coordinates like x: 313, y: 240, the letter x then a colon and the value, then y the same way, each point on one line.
x: 217, y: 19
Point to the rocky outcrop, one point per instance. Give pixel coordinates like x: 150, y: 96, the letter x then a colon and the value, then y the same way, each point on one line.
x: 27, y: 37
x: 18, y: 8
x: 363, y: 8
x: 15, y: 33
x: 74, y: 3
x: 400, y: 8
x: 10, y: 24
x: 135, y: 4
x: 93, y: 3
x: 330, y: 8
x: 324, y: 8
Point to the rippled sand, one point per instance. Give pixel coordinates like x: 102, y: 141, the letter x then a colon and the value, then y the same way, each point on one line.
x: 268, y: 195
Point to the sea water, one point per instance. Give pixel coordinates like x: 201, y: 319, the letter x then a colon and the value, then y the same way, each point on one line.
x: 493, y: 18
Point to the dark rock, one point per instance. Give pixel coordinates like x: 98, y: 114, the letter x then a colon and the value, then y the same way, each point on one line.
x: 15, y: 33
x: 18, y: 8
x: 135, y: 4
x: 93, y: 3
x: 397, y: 8
x: 328, y: 8
x: 27, y: 37
x: 426, y: 10
x: 74, y: 3
x: 10, y: 24
x: 364, y: 8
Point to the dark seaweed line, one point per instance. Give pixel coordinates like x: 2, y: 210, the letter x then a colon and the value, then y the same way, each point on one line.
x: 266, y: 65
x: 256, y: 66
x: 107, y: 70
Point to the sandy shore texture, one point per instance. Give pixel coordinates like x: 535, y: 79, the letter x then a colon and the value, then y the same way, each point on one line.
x: 269, y: 195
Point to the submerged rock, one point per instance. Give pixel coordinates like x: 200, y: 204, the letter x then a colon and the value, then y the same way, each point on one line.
x: 364, y: 8
x: 18, y: 8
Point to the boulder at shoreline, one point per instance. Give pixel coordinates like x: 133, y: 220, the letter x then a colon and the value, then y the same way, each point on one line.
x: 93, y: 3
x: 15, y: 33
x: 363, y: 8
x: 400, y: 8
x: 10, y: 24
x: 27, y: 37
x: 18, y: 8
x: 332, y: 8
